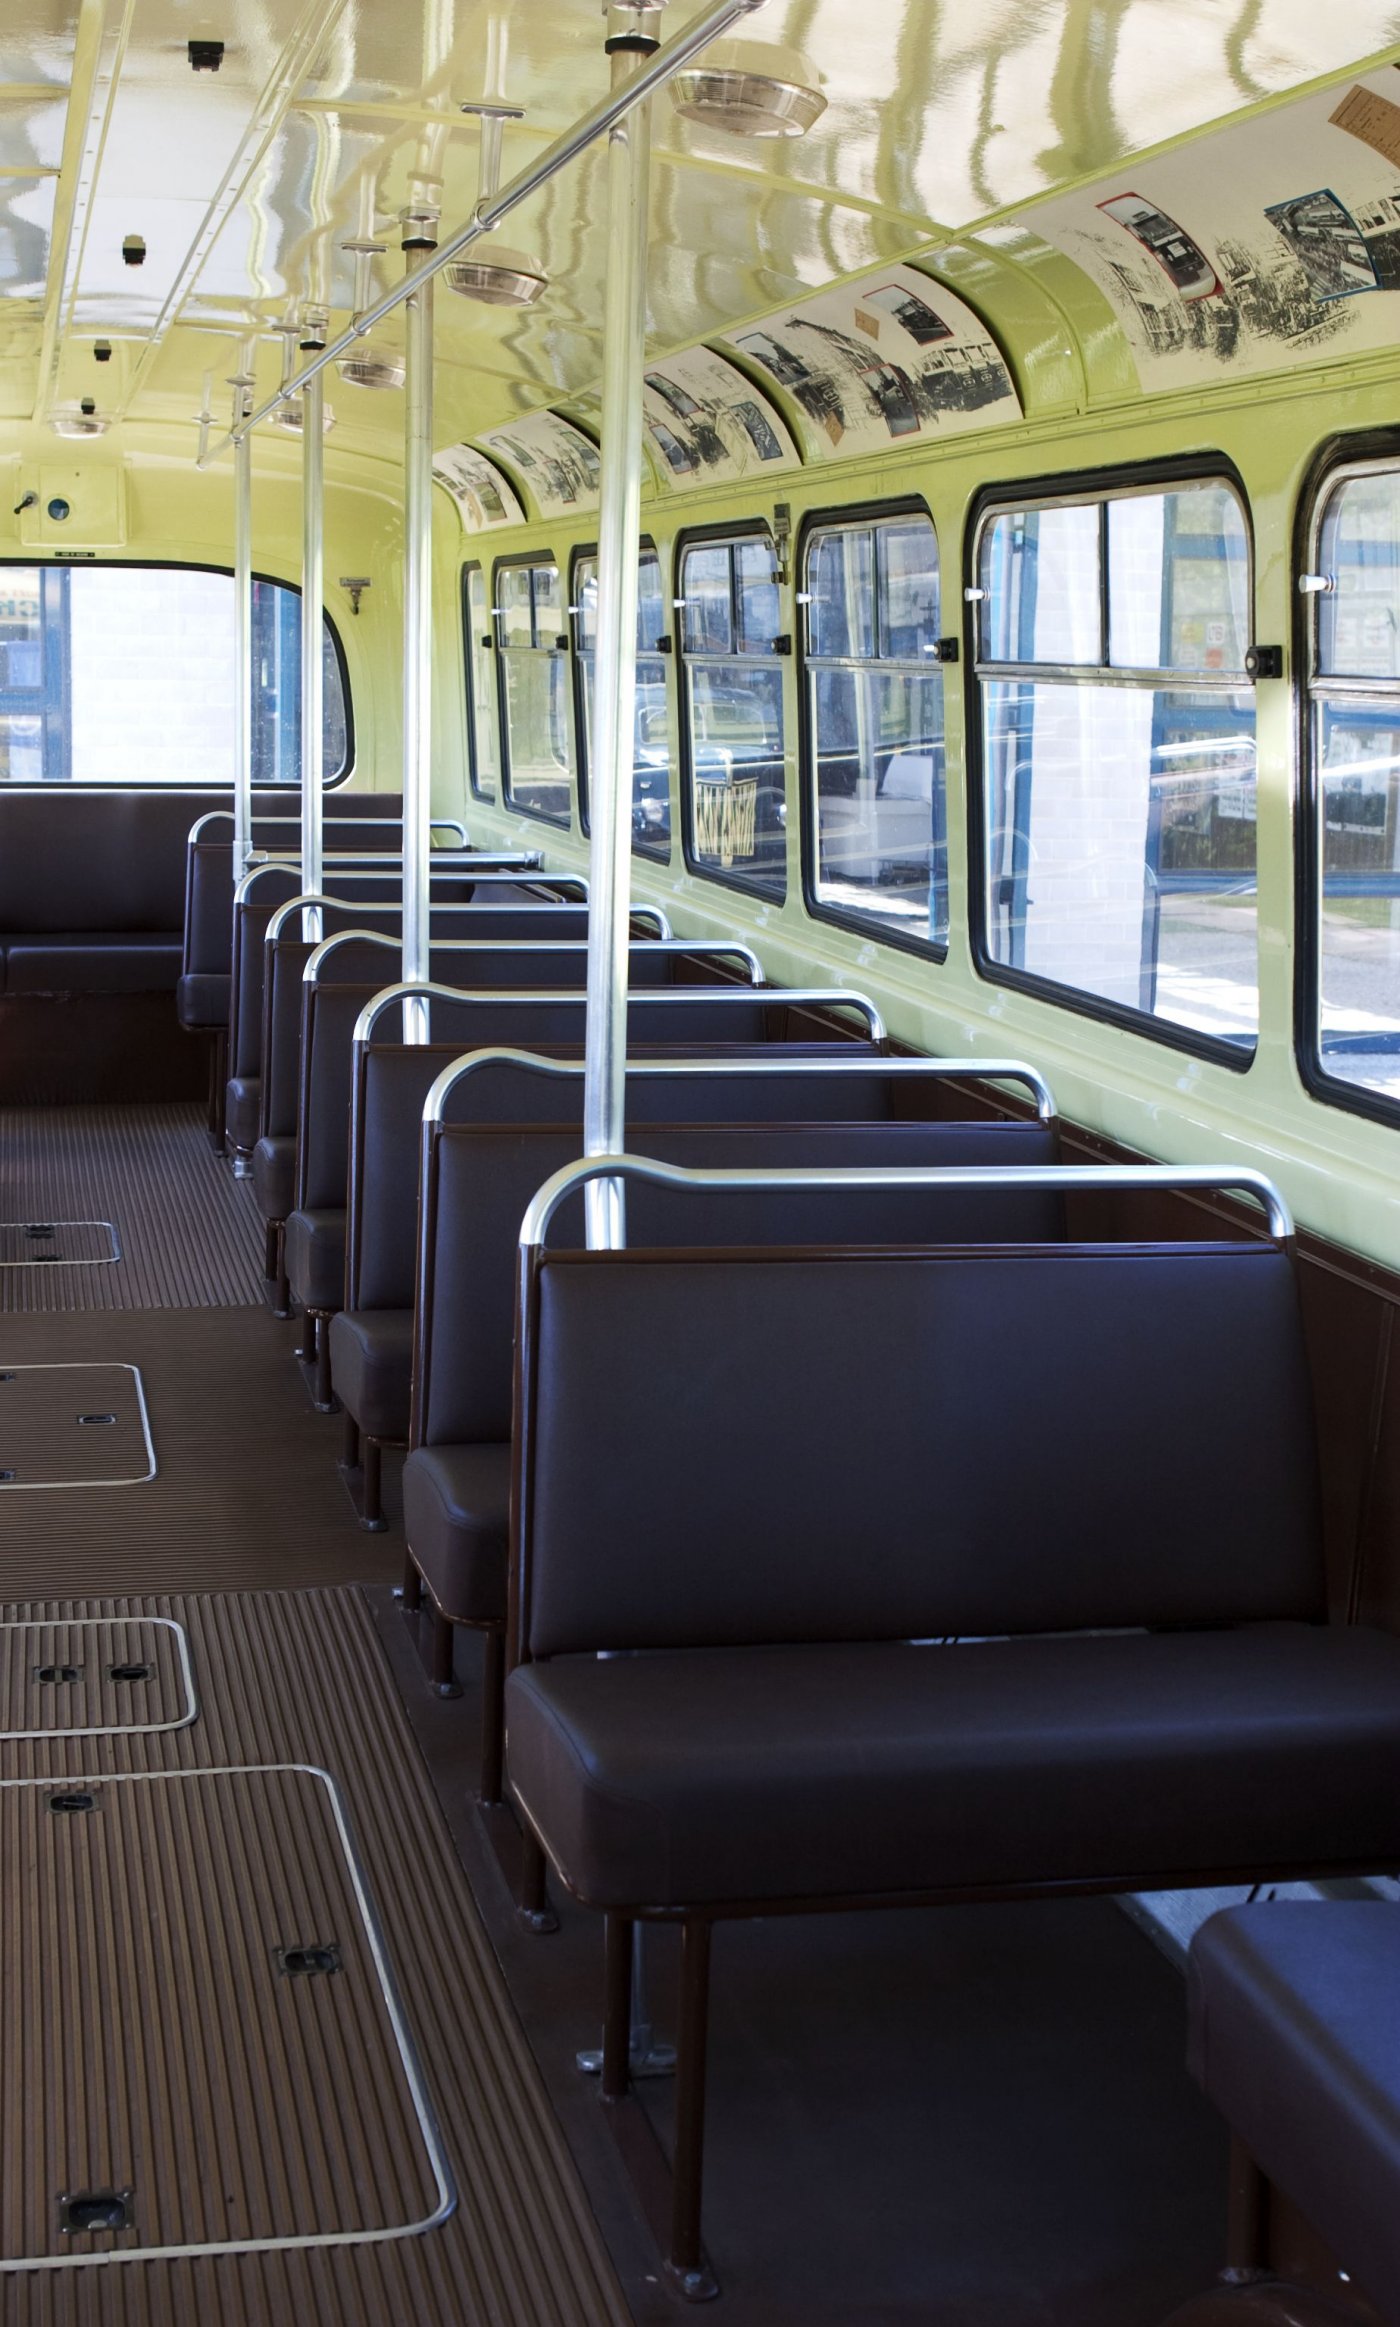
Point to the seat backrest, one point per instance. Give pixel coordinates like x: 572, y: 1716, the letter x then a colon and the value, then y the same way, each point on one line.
x: 481, y: 1178
x: 391, y: 1082
x: 321, y: 1059
x: 208, y: 926
x: 862, y: 1447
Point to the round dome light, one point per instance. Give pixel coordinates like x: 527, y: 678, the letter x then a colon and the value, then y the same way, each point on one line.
x: 496, y: 276
x: 749, y: 89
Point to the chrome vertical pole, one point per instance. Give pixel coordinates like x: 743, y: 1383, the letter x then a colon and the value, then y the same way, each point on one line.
x: 313, y: 450
x: 242, y: 635
x: 631, y: 40
x: 420, y: 236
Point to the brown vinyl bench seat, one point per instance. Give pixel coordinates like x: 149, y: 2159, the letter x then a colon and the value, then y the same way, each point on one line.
x: 481, y: 1177
x: 1088, y: 1470
x: 1295, y: 2036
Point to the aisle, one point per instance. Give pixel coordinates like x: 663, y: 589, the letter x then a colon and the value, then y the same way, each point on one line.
x: 177, y: 2069
x: 187, y: 1233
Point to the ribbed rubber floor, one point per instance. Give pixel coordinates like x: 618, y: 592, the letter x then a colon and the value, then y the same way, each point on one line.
x: 294, y: 1678
x: 188, y: 1232
x: 246, y: 1494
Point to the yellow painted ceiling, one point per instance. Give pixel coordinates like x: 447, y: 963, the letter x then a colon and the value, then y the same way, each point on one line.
x: 943, y: 117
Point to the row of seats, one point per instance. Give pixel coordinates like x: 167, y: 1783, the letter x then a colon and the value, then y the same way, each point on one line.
x: 943, y: 1610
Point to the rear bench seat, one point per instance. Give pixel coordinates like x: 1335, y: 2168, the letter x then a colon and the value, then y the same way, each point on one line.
x: 1295, y: 2036
x: 855, y: 1456
x: 92, y: 890
x: 478, y: 1180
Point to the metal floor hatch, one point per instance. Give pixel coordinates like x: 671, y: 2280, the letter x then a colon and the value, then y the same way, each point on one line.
x: 73, y: 1426
x: 71, y: 1244
x: 205, y: 2051
x: 97, y: 1676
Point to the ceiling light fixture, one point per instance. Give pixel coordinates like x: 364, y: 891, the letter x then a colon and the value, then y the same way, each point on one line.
x: 749, y: 89
x: 491, y: 272
x: 79, y: 420
x: 368, y: 367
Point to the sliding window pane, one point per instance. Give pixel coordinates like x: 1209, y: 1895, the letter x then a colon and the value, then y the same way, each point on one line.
x: 1359, y: 970
x: 21, y: 749
x: 1040, y: 579
x: 1122, y: 847
x: 841, y: 591
x: 1178, y: 581
x: 651, y: 758
x: 881, y: 841
x: 481, y: 690
x: 737, y: 771
x: 1358, y: 620
x: 707, y: 625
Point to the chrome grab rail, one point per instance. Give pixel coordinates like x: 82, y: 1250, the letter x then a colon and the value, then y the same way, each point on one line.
x: 680, y: 946
x: 639, y: 998
x: 452, y: 824
x: 1004, y: 1070
x: 393, y: 905
x: 507, y: 872
x: 1091, y: 1178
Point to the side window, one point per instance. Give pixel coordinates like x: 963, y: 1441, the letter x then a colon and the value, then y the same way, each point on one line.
x: 125, y: 674
x: 483, y: 751
x: 1353, y: 930
x: 1118, y: 757
x: 533, y: 650
x: 651, y: 742
x: 735, y: 798
x: 875, y: 727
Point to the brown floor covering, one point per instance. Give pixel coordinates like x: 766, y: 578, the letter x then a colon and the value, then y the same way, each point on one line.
x: 189, y: 1233
x: 959, y: 2117
x: 246, y: 1495
x: 299, y: 1678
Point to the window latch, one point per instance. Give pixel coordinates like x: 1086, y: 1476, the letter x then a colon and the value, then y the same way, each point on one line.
x: 663, y: 645
x: 1264, y: 662
x: 1316, y: 585
x: 782, y: 644
x: 946, y: 651
x: 973, y: 596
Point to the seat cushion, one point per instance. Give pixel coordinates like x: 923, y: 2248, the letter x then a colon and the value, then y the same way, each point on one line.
x: 242, y: 1100
x: 456, y: 1509
x: 1142, y: 1760
x: 275, y: 1176
x: 202, y: 1000
x: 314, y: 1257
x: 1295, y: 2035
x: 93, y: 964
x: 372, y: 1367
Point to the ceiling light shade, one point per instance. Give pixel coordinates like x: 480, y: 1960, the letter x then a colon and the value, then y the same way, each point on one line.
x: 496, y: 276
x: 749, y: 89
x: 74, y: 423
x: 288, y: 417
x: 374, y: 368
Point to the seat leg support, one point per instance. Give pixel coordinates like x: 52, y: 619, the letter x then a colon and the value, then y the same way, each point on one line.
x: 371, y: 1498
x: 493, y: 1680
x: 1247, y: 2217
x: 270, y: 1242
x: 617, y: 2015
x: 324, y: 1400
x: 218, y: 1082
x: 444, y: 1677
x: 687, y: 2263
x: 350, y: 1446
x: 534, y: 1908
x: 411, y: 1590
